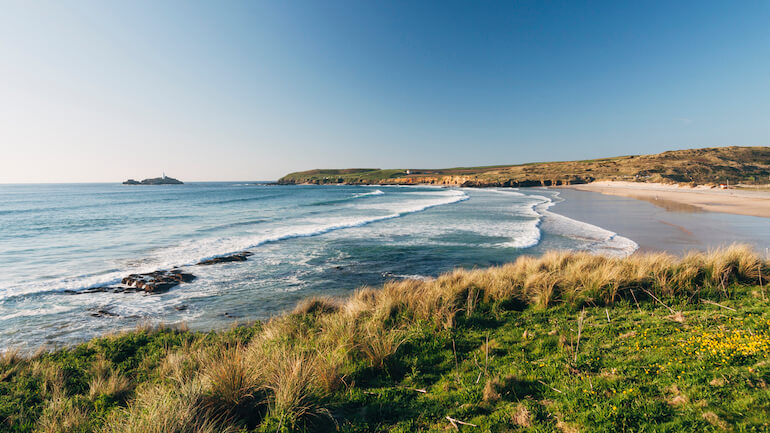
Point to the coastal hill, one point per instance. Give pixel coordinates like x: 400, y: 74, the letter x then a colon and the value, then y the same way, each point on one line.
x: 708, y: 166
x: 165, y: 180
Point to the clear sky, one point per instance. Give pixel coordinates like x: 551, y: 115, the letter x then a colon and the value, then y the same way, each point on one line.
x: 107, y: 90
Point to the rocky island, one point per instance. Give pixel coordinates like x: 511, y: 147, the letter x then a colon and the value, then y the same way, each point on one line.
x: 163, y: 180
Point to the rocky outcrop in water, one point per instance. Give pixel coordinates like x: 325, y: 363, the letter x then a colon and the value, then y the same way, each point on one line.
x: 150, y: 282
x: 157, y: 281
x: 237, y: 257
x: 165, y: 180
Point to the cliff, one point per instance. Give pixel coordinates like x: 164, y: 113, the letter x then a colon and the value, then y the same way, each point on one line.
x: 708, y: 166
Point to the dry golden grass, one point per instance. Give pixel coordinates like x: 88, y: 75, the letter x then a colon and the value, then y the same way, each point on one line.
x: 492, y: 389
x: 61, y: 415
x: 714, y: 420
x: 317, y: 305
x: 114, y: 385
x: 108, y: 382
x: 179, y: 365
x: 362, y: 300
x: 163, y: 409
x: 10, y: 357
x: 541, y: 287
x: 8, y: 363
x: 52, y: 378
x: 522, y: 417
x: 377, y: 343
x: 289, y: 376
x: 230, y: 379
x: 330, y: 364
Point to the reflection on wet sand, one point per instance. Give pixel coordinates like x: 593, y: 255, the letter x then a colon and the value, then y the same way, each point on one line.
x: 678, y: 227
x: 663, y: 225
x: 669, y: 205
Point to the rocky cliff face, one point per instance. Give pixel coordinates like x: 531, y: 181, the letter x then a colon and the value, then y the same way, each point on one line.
x: 480, y: 182
x: 466, y: 181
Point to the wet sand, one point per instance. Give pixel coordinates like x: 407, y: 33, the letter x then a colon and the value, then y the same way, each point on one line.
x: 734, y: 201
x: 663, y: 225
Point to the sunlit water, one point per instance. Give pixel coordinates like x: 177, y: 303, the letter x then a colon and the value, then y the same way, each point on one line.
x: 306, y: 240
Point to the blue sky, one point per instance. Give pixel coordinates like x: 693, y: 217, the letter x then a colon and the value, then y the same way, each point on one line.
x: 106, y: 90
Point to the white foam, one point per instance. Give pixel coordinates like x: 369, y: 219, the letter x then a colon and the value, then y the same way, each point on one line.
x: 33, y: 312
x: 528, y: 233
x: 336, y: 223
x: 517, y: 223
x: 407, y: 276
x: 192, y: 251
x: 365, y: 194
x: 598, y: 240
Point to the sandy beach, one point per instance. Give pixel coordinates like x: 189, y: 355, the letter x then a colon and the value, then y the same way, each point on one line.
x: 733, y: 201
x: 663, y: 225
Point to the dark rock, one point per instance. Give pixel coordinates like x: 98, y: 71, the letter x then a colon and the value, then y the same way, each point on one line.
x: 237, y: 257
x: 131, y: 182
x: 151, y: 282
x: 180, y: 307
x: 102, y: 289
x: 104, y: 312
x: 157, y: 281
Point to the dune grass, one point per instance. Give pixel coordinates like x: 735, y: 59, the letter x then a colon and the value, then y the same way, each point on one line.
x: 562, y: 342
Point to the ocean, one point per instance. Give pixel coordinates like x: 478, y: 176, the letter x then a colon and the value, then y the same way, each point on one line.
x: 56, y: 241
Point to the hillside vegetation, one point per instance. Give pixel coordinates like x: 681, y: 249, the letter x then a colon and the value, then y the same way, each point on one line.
x: 565, y: 342
x: 710, y: 166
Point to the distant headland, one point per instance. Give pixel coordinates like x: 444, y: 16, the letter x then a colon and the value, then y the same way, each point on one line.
x: 710, y: 166
x: 163, y: 180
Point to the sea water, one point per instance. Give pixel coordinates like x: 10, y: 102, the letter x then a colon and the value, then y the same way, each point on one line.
x: 58, y: 240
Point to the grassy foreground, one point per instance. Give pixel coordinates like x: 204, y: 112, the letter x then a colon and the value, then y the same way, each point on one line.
x: 565, y: 342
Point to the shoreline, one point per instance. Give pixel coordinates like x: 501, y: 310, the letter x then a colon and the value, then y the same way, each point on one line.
x: 649, y: 227
x: 732, y: 201
x: 662, y: 225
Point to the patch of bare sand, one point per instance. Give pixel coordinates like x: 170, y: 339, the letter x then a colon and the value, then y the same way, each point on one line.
x: 734, y: 201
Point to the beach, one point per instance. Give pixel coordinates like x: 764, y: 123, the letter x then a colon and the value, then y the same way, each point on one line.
x: 735, y: 201
x: 668, y: 225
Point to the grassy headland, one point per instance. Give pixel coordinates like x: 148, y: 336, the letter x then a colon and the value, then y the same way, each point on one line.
x: 564, y: 342
x: 710, y: 166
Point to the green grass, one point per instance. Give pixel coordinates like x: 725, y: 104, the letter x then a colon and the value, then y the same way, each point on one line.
x: 609, y: 383
x: 482, y: 347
